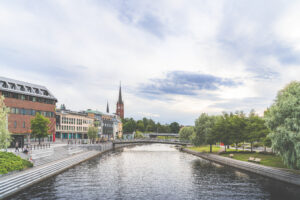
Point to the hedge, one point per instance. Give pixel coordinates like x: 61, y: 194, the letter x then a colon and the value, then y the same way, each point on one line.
x: 10, y: 162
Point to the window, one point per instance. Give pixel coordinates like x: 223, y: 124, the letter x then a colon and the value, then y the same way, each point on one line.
x: 23, y: 124
x: 15, y: 124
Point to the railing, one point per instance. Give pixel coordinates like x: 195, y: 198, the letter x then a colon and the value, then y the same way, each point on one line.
x: 153, y: 140
x: 38, y: 146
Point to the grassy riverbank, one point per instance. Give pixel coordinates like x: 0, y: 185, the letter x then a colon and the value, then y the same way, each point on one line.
x: 10, y: 162
x: 270, y: 160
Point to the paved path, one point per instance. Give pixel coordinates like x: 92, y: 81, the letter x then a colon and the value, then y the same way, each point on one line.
x: 270, y: 172
x: 16, y: 182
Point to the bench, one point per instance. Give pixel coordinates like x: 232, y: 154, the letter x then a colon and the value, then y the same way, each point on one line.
x: 251, y: 159
x: 231, y: 155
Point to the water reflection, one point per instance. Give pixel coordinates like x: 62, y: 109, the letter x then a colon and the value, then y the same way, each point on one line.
x: 155, y: 171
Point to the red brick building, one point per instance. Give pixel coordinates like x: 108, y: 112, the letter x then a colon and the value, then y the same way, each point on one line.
x: 120, y: 105
x: 24, y: 101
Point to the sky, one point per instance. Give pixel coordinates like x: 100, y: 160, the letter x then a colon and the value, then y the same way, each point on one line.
x: 175, y: 59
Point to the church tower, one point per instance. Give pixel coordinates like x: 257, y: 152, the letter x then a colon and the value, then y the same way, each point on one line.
x: 120, y: 104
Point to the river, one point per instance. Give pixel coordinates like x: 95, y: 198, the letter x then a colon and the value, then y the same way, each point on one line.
x: 155, y: 171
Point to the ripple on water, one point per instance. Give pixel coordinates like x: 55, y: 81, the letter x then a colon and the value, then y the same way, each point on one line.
x: 154, y: 171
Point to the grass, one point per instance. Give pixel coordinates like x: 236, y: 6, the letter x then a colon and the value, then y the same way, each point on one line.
x: 266, y: 159
x: 206, y: 148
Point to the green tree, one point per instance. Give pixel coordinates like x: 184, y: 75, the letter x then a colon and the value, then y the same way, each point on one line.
x: 237, y: 127
x: 92, y: 133
x: 198, y: 137
x: 204, y: 130
x: 283, y: 120
x: 174, y: 127
x: 4, y: 133
x: 222, y: 129
x: 140, y: 126
x: 129, y: 126
x: 186, y: 133
x: 39, y: 126
x: 256, y: 129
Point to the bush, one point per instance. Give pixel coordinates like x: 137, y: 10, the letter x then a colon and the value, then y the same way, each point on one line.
x: 10, y: 162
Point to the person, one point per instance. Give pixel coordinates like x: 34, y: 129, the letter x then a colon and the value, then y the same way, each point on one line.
x: 26, y: 150
x: 17, y: 147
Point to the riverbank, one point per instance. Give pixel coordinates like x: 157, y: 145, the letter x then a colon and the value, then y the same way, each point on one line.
x: 17, y: 182
x: 270, y: 172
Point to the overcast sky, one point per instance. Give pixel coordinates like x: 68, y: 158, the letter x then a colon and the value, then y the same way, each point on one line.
x: 175, y: 59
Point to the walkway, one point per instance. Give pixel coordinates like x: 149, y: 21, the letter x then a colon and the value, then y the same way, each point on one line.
x: 16, y: 182
x: 270, y: 172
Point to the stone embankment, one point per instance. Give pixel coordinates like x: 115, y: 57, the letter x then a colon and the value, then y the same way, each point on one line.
x: 54, y: 164
x: 270, y: 172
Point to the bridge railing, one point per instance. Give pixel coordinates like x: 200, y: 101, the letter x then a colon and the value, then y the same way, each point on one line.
x: 173, y: 140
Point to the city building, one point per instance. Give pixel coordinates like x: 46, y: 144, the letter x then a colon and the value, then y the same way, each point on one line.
x: 117, y: 127
x: 120, y: 105
x: 72, y: 124
x: 25, y: 100
x: 110, y: 126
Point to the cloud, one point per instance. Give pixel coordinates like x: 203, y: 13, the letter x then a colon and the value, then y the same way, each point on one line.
x: 175, y: 59
x: 184, y: 83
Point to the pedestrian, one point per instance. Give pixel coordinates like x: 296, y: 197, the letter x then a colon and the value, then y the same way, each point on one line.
x: 17, y: 147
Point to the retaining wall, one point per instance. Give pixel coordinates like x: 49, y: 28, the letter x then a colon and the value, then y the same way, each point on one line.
x: 270, y: 172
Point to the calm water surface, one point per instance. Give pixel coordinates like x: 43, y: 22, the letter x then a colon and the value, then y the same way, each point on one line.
x: 155, y: 171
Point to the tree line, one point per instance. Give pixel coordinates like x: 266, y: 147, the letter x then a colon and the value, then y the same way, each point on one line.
x: 146, y: 125
x: 228, y: 128
x: 279, y: 128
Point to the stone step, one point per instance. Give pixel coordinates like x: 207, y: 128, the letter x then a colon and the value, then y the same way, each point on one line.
x: 15, y: 183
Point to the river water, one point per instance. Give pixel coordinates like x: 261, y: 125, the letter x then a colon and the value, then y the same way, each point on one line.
x: 155, y: 171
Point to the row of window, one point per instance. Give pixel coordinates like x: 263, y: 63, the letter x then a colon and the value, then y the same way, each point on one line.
x: 71, y: 128
x: 23, y: 111
x: 66, y: 120
x: 16, y: 124
x: 27, y: 97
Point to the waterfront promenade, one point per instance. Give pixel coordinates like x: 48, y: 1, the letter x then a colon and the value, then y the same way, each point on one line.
x: 270, y: 172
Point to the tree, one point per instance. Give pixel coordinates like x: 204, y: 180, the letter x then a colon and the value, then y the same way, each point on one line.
x: 198, y: 137
x: 39, y: 126
x: 283, y: 120
x: 140, y: 126
x: 256, y: 129
x: 129, y: 126
x: 204, y: 132
x: 4, y: 133
x: 186, y: 133
x: 174, y: 127
x: 237, y: 127
x: 92, y: 133
x: 222, y: 129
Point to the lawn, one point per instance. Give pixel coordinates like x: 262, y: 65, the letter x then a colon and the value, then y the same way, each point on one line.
x: 206, y: 148
x: 266, y: 159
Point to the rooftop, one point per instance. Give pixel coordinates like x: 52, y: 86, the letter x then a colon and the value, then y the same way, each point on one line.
x: 11, y: 85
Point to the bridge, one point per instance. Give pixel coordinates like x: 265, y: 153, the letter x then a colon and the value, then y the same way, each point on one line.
x: 154, y: 135
x: 150, y: 141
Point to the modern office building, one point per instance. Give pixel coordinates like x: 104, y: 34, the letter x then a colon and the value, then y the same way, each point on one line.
x: 72, y: 124
x: 25, y: 100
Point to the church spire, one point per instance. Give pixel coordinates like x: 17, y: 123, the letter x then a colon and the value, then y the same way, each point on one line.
x: 120, y: 95
x: 120, y: 104
x: 107, y: 107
